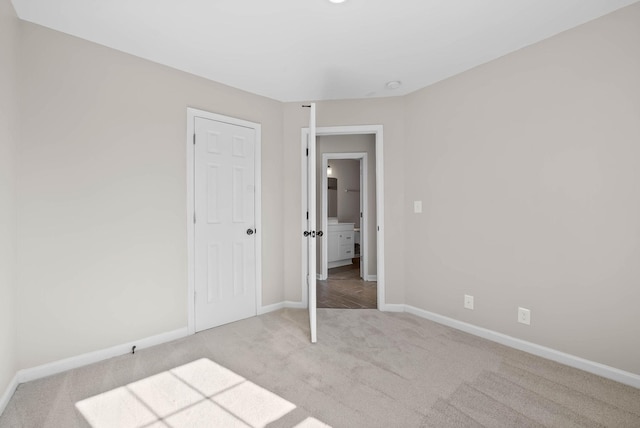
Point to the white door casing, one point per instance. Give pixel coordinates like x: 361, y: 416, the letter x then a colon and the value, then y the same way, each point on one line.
x: 225, y: 256
x: 364, y: 218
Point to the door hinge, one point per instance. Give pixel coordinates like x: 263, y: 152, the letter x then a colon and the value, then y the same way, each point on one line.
x: 194, y: 139
x: 307, y: 152
x: 194, y: 217
x: 360, y: 215
x: 307, y: 215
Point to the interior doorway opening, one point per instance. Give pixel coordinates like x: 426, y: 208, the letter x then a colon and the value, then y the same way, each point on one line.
x: 372, y: 144
x: 343, y: 196
x: 344, y: 214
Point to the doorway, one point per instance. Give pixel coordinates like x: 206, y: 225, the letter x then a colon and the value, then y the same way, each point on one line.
x: 376, y: 227
x: 343, y: 205
x: 345, y: 215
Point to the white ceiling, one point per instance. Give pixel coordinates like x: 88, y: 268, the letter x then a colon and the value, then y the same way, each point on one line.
x: 300, y: 50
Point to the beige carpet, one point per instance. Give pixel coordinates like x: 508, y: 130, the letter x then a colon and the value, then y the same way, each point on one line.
x: 368, y: 369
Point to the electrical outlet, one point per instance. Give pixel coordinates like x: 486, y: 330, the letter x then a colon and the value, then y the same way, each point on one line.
x: 468, y: 301
x: 524, y: 316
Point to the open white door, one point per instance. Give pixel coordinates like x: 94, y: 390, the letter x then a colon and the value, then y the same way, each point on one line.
x: 310, y: 232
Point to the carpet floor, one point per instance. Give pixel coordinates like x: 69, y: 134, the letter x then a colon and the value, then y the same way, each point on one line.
x: 368, y: 369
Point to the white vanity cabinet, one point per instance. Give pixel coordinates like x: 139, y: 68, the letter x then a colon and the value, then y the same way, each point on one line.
x: 340, y: 244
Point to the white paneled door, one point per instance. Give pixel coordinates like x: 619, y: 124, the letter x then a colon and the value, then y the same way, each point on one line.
x: 225, y: 231
x: 311, y: 221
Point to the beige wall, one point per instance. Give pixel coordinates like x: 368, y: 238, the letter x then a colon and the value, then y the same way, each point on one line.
x: 350, y: 202
x: 8, y: 139
x: 529, y: 170
x: 102, y: 194
x: 382, y: 111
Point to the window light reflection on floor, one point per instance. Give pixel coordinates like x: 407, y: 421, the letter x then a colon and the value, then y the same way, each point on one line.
x: 198, y: 394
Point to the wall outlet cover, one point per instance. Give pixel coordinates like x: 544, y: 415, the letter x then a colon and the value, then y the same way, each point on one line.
x: 468, y: 301
x: 524, y: 316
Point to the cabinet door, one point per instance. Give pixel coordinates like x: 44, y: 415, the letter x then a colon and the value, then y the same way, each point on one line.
x: 333, y: 246
x: 346, y: 238
x: 346, y: 252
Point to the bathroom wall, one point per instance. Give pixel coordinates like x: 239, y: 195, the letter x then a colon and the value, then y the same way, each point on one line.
x: 347, y: 171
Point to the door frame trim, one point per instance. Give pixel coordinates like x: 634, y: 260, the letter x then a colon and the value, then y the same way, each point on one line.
x: 376, y: 130
x: 192, y: 114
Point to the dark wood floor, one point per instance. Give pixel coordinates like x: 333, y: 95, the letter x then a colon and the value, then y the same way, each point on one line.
x: 345, y: 290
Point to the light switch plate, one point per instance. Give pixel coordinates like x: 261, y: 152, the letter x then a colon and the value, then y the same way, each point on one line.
x: 417, y: 207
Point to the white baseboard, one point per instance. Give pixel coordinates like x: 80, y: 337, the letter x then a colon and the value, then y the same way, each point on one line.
x: 281, y: 305
x: 608, y: 372
x: 55, y: 367
x: 295, y: 305
x: 371, y: 278
x: 8, y: 393
x: 340, y: 263
x: 270, y: 308
x: 389, y: 307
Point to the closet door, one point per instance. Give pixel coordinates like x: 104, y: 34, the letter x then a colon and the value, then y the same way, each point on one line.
x: 225, y: 230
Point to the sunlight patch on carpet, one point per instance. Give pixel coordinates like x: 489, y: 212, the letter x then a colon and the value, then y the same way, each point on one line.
x: 312, y: 423
x: 198, y: 394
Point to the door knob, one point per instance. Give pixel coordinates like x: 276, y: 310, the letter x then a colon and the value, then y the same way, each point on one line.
x: 320, y: 233
x: 249, y: 231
